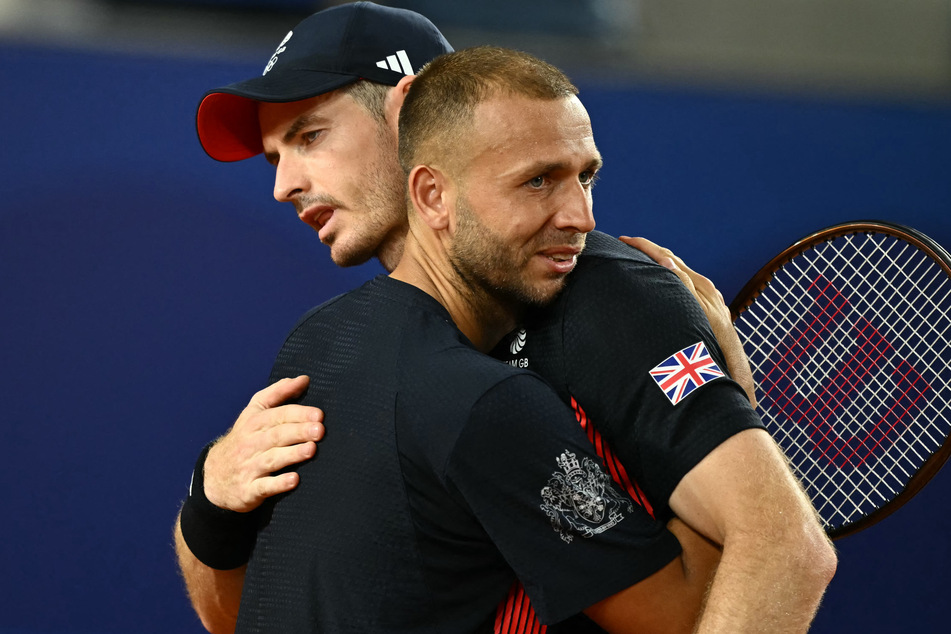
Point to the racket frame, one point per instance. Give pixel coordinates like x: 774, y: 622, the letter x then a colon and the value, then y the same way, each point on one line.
x: 752, y: 289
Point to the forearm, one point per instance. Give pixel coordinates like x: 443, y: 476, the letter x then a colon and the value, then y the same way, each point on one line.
x: 670, y: 600
x: 215, y: 594
x: 777, y: 559
x: 699, y: 560
x: 767, y: 587
x: 238, y: 475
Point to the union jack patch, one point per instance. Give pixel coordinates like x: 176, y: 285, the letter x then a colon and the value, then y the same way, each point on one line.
x: 685, y: 371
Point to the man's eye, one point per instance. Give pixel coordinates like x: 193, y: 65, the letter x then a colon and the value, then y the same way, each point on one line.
x: 310, y: 137
x: 588, y: 178
x: 537, y: 183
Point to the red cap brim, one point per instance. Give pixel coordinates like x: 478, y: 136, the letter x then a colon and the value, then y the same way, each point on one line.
x: 228, y: 127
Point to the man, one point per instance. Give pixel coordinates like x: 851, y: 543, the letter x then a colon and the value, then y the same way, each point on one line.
x: 426, y: 495
x: 338, y: 229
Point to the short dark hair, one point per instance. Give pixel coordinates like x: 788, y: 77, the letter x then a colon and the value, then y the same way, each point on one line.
x: 369, y: 94
x: 442, y: 100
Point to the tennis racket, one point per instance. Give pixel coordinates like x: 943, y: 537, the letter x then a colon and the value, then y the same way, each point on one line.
x: 848, y: 332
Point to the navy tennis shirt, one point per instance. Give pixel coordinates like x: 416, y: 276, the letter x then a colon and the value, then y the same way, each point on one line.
x: 631, y: 351
x: 630, y: 348
x: 443, y: 476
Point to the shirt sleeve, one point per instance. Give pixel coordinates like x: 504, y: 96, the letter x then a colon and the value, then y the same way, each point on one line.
x: 641, y: 359
x: 529, y: 474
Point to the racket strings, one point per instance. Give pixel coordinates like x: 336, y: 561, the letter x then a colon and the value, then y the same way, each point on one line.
x: 855, y: 406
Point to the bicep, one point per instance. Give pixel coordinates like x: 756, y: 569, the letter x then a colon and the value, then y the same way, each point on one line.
x: 744, y: 484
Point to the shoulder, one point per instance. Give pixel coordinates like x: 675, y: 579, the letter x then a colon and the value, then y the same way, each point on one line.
x: 608, y: 264
x: 459, y: 394
x: 361, y: 330
x: 332, y: 308
x: 518, y: 395
x: 602, y: 245
x: 601, y: 248
x: 459, y: 380
x: 381, y: 306
x: 617, y: 286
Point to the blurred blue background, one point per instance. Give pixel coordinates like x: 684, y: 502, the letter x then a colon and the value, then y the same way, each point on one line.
x: 146, y: 288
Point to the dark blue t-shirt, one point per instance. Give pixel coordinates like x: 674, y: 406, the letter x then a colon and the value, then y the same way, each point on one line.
x: 621, y: 343
x: 443, y: 476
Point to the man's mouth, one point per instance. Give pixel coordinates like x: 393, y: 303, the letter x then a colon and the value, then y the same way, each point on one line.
x: 316, y: 216
x: 562, y: 259
x: 561, y: 253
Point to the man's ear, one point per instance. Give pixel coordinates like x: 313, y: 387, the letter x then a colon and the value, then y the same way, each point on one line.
x: 428, y: 192
x: 394, y: 101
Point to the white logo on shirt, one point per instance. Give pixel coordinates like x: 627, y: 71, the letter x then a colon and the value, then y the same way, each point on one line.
x: 517, y: 345
x: 518, y: 342
x: 581, y: 500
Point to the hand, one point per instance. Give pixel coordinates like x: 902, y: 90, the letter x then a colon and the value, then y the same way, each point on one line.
x: 266, y: 438
x: 711, y: 300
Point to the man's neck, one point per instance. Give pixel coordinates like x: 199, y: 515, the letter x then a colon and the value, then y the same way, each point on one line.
x: 482, y: 318
x: 391, y: 248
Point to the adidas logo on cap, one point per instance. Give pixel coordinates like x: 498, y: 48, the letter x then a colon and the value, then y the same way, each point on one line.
x: 398, y: 62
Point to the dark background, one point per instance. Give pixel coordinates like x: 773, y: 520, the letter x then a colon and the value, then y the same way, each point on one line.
x: 146, y: 288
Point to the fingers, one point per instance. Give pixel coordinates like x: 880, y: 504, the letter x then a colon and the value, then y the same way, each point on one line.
x: 275, y: 485
x: 664, y: 257
x: 266, y: 438
x: 288, y: 425
x: 283, y: 425
x: 280, y: 392
x: 713, y: 305
x: 240, y: 468
x: 265, y: 412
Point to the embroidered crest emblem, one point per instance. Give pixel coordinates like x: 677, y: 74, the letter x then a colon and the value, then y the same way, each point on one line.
x: 581, y: 499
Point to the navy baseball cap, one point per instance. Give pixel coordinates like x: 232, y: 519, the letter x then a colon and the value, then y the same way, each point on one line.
x: 326, y: 51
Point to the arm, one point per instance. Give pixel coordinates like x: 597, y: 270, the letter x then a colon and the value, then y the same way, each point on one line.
x: 777, y: 560
x: 237, y: 476
x: 671, y: 600
x: 713, y: 306
x: 215, y: 594
x: 679, y: 439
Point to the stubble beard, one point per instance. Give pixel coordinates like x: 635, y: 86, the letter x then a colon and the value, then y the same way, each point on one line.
x: 381, y: 225
x: 489, y: 267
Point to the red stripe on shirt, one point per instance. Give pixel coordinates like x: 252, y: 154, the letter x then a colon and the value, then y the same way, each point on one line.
x: 615, y: 468
x: 515, y: 614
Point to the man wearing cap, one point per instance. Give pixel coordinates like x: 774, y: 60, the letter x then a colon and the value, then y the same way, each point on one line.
x: 338, y: 219
x: 323, y: 58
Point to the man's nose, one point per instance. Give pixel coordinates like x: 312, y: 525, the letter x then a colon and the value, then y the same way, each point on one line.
x: 577, y: 210
x: 290, y: 179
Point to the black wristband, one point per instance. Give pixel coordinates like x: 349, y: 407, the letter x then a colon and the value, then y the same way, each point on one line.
x: 219, y: 538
